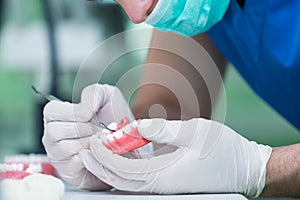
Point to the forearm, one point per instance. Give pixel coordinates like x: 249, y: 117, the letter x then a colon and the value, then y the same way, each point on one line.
x: 156, y: 98
x: 176, y: 104
x: 283, y: 172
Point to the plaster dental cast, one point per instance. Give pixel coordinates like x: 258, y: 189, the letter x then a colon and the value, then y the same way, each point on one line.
x: 261, y: 40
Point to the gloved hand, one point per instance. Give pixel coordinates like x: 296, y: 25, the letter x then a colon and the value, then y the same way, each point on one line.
x: 67, y: 131
x: 210, y: 158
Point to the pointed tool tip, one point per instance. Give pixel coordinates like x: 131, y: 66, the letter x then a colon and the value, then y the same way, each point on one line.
x: 34, y: 89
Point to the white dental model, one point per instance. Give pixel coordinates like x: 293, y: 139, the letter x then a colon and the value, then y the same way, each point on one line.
x: 32, y: 187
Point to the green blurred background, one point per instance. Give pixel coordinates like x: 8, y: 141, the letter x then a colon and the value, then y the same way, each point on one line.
x: 19, y: 107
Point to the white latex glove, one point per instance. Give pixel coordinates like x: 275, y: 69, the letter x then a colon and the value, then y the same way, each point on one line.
x: 210, y: 158
x: 68, y: 131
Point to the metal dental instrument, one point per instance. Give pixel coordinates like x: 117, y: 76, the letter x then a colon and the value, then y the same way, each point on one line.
x: 46, y: 96
x: 105, y: 127
x: 51, y: 97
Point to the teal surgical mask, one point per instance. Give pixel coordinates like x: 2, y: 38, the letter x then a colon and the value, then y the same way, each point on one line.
x: 187, y: 17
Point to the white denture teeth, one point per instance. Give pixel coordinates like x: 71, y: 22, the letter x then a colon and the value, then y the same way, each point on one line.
x: 118, y: 134
x: 34, y: 168
x: 11, y: 167
x: 105, y: 131
x: 126, y: 129
x: 104, y: 139
x: 110, y: 137
x: 5, y: 168
x: 134, y: 124
x: 37, y: 158
x: 112, y: 126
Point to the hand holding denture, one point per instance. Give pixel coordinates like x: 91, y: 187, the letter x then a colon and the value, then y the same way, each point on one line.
x: 68, y: 129
x: 210, y: 158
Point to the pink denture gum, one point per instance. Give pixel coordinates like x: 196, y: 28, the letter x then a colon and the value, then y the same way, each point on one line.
x: 121, y: 141
x: 13, y: 171
x: 20, y: 166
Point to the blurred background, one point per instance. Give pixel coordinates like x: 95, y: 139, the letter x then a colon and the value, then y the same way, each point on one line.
x: 43, y: 43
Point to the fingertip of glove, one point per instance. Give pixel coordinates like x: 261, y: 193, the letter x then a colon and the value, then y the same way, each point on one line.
x: 49, y: 106
x: 87, y: 91
x: 93, y: 97
x: 150, y: 128
x: 65, y: 111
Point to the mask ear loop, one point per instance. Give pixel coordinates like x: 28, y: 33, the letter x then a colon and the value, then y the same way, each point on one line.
x: 157, y: 13
x: 150, y: 10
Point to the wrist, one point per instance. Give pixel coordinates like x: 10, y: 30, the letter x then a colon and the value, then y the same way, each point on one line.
x: 283, y: 172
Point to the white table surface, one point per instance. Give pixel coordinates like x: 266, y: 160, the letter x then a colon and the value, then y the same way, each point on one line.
x: 83, y: 195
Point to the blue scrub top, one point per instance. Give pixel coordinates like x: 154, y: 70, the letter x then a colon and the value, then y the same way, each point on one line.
x: 262, y: 40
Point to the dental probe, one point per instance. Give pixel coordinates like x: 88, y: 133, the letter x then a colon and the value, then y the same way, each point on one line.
x: 51, y: 97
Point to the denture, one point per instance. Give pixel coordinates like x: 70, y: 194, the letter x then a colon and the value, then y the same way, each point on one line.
x: 13, y: 171
x: 21, y: 166
x: 126, y: 138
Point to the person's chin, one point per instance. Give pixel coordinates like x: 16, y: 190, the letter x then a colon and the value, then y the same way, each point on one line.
x: 138, y: 10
